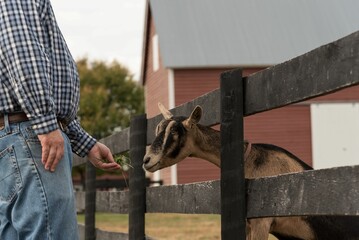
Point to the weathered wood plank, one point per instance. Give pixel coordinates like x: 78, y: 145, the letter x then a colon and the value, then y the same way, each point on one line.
x: 322, y: 192
x: 200, y: 197
x: 326, y: 69
x: 118, y: 142
x: 90, y: 201
x: 113, y: 202
x: 137, y: 179
x: 233, y: 201
x: 80, y: 201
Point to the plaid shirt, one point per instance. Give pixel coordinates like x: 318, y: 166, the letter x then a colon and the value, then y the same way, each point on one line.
x: 37, y: 72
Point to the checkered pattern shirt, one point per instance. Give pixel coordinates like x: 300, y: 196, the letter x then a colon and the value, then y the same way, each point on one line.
x: 37, y: 72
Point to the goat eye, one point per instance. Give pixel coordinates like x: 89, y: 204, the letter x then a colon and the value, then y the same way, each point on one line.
x: 173, y: 131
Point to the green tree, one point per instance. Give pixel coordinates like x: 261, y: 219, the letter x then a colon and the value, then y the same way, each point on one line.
x: 109, y: 97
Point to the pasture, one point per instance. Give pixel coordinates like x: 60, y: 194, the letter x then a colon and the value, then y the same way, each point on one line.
x: 166, y: 226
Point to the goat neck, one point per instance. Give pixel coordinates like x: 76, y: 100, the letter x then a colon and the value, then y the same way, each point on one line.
x: 206, y: 144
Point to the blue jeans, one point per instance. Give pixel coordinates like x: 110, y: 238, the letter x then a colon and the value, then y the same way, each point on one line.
x: 34, y: 203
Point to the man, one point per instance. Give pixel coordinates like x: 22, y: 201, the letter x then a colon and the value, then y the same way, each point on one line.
x: 39, y: 130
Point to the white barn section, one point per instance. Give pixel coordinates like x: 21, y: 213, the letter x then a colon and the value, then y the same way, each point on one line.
x: 335, y: 134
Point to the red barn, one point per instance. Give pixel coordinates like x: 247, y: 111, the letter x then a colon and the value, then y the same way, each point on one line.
x: 187, y: 44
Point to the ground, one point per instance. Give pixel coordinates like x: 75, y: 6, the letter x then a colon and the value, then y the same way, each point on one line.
x: 166, y: 226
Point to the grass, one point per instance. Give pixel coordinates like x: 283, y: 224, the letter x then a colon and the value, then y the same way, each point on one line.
x: 166, y: 226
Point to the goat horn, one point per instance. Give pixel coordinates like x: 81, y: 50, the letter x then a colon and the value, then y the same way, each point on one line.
x: 166, y: 114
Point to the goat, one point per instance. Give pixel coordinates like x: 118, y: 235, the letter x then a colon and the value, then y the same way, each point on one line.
x: 180, y: 137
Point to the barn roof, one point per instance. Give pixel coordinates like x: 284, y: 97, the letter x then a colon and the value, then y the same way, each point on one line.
x: 216, y: 33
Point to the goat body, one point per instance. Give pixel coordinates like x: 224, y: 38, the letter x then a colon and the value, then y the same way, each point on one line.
x: 180, y: 137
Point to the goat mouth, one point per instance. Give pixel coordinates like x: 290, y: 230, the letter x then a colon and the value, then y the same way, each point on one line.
x: 151, y: 168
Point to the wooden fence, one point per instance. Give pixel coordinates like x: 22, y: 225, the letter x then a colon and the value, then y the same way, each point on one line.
x: 324, y: 70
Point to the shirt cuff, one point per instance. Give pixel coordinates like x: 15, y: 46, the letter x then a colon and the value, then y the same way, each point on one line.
x: 44, y: 124
x: 81, y: 141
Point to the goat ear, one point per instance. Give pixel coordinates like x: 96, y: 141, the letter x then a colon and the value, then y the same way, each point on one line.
x: 195, y: 115
x: 166, y: 114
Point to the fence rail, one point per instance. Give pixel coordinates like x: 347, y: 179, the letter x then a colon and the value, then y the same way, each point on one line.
x: 268, y: 196
x: 324, y: 70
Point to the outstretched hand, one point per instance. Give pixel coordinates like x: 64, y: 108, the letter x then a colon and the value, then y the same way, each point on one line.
x: 101, y: 157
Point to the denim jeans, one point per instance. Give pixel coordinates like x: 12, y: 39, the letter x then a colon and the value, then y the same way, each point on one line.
x: 34, y: 203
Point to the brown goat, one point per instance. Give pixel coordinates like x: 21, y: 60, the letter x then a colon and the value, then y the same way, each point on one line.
x: 180, y: 137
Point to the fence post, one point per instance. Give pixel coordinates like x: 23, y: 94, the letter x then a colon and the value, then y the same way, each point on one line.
x: 90, y: 201
x: 137, y: 180
x: 233, y: 205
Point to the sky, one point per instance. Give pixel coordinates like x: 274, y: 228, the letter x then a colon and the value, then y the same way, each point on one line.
x: 104, y: 30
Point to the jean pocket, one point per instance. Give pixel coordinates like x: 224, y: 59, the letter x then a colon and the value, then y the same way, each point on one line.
x: 10, y: 180
x: 30, y: 135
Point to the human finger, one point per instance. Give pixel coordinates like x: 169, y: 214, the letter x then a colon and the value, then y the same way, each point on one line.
x: 99, y: 163
x: 110, y: 166
x: 44, y: 152
x: 57, y: 159
x: 51, y: 157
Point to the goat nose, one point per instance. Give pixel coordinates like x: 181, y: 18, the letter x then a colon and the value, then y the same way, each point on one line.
x: 146, y: 160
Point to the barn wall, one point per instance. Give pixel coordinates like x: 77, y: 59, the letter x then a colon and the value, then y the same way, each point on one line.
x: 156, y: 88
x: 350, y: 94
x: 156, y: 82
x: 191, y: 83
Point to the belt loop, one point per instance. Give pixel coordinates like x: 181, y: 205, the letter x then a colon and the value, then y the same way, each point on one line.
x: 7, y: 127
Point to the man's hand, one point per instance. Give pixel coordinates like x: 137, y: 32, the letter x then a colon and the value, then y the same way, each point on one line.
x: 52, y: 149
x: 101, y: 157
